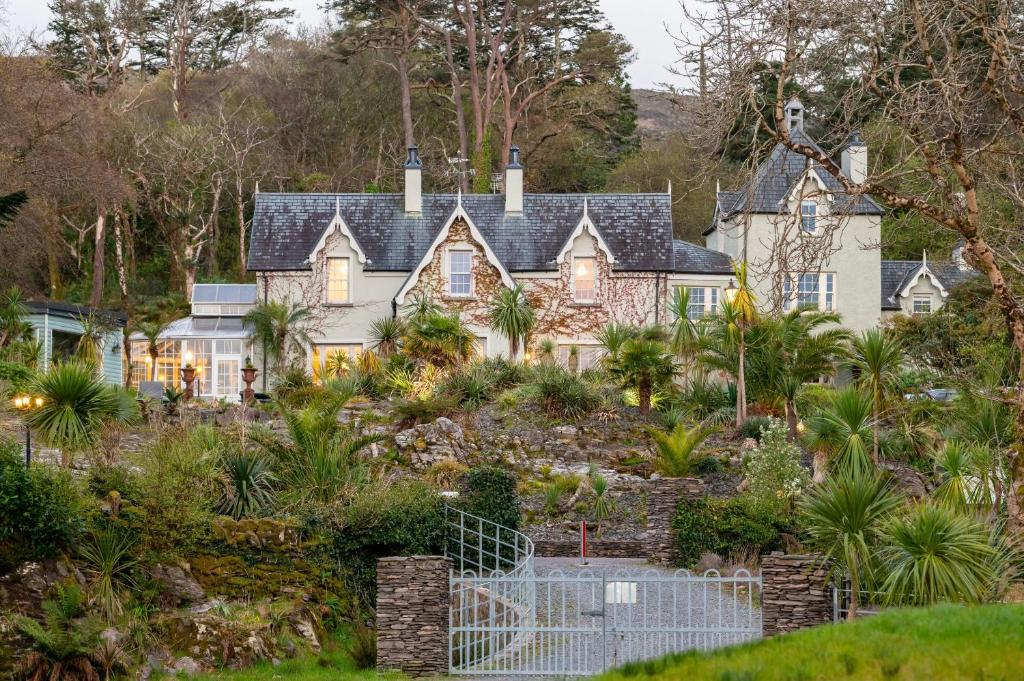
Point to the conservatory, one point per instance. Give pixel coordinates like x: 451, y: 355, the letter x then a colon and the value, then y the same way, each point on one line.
x: 213, y: 340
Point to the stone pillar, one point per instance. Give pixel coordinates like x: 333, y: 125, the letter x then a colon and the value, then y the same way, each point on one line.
x: 795, y: 593
x: 663, y: 496
x: 412, y: 614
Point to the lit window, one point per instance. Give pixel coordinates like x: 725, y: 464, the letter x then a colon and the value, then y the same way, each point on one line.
x: 334, y: 361
x: 337, y: 280
x: 585, y: 280
x: 460, y: 272
x: 808, y: 215
x: 922, y: 304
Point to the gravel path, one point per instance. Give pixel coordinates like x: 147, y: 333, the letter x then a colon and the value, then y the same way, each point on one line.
x: 649, y: 612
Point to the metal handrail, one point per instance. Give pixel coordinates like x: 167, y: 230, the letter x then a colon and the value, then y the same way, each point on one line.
x: 476, y: 545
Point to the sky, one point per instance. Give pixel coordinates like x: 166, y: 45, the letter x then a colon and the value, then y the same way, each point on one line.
x: 642, y: 22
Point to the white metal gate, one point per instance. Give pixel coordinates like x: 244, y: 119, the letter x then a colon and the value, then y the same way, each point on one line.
x: 507, y: 618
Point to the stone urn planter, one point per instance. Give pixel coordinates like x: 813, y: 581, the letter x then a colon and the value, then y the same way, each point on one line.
x: 188, y: 377
x: 248, y: 377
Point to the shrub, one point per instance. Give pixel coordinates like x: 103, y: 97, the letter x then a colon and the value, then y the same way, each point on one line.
x: 727, y: 527
x: 753, y: 426
x: 14, y: 378
x: 41, y: 509
x: 490, y: 492
x: 361, y: 646
x: 470, y: 389
x: 774, y: 471
x: 563, y: 394
x: 677, y: 451
x: 423, y: 409
x: 247, y: 484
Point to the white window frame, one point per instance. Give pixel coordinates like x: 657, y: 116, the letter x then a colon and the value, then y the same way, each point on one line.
x: 826, y: 291
x: 812, y: 216
x: 449, y: 258
x: 709, y: 295
x: 348, y: 281
x: 921, y: 298
x: 575, y: 288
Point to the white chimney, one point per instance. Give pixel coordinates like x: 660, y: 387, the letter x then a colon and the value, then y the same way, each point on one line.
x: 794, y: 114
x: 413, y: 182
x: 854, y: 159
x: 514, y: 182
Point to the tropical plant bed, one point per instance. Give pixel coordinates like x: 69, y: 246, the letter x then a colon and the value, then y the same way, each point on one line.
x: 944, y: 642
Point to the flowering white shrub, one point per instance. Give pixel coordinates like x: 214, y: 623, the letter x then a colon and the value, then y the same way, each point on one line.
x: 773, y: 469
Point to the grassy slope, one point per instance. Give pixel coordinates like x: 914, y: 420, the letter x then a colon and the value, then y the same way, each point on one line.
x: 942, y: 643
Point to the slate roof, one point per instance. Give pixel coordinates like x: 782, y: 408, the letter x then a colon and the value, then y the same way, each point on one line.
x: 691, y: 259
x: 75, y: 312
x: 636, y: 227
x: 896, y: 274
x: 775, y: 178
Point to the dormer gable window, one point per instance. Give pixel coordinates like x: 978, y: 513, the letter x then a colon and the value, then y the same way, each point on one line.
x: 338, y: 289
x: 808, y: 216
x: 584, y: 280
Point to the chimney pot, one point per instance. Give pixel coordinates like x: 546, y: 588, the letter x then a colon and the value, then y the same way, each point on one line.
x: 514, y: 182
x: 413, y: 182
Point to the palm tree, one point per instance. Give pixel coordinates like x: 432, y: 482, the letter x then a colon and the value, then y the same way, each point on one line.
x: 878, y: 358
x: 803, y: 350
x: 685, y: 334
x: 421, y: 306
x: 152, y: 330
x: 934, y: 554
x: 743, y: 312
x: 282, y: 328
x: 844, y: 430
x: 512, y: 315
x: 955, y: 464
x: 843, y: 520
x: 644, y: 364
x: 438, y: 339
x: 611, y: 337
x: 386, y: 335
x: 12, y: 316
x: 76, y: 405
x: 676, y: 455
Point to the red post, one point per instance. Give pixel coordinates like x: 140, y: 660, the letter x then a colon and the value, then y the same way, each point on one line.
x: 583, y: 542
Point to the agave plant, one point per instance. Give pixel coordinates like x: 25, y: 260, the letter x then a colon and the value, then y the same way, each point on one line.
x: 76, y: 406
x: 934, y: 554
x: 248, y: 485
x: 108, y: 561
x: 512, y: 316
x: 677, y: 450
x: 64, y: 645
x: 843, y: 520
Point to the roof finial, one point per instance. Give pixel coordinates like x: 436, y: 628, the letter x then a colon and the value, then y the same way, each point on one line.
x: 924, y: 257
x: 459, y: 199
x: 337, y: 206
x: 257, y: 186
x: 670, y: 186
x: 585, y: 207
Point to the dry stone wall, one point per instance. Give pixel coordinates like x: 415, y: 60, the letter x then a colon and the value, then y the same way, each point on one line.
x: 795, y: 593
x: 663, y: 496
x: 412, y: 614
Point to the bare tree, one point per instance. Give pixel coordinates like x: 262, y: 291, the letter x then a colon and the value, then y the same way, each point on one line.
x: 936, y: 82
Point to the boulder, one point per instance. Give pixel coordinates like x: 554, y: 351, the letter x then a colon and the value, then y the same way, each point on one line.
x: 428, y: 443
x: 179, y: 584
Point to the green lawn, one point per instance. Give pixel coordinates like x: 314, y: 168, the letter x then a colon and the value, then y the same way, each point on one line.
x: 333, y: 664
x: 943, y: 643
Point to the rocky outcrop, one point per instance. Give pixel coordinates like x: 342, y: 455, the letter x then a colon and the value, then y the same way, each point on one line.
x: 429, y: 443
x: 179, y: 585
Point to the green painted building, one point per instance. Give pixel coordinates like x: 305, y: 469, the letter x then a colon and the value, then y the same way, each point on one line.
x: 58, y: 326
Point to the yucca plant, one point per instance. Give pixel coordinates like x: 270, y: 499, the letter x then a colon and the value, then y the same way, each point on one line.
x: 512, y: 316
x: 63, y: 646
x: 386, y: 335
x: 108, y: 561
x: 843, y: 520
x: 956, y: 467
x: 76, y: 405
x: 677, y: 451
x: 877, y: 357
x: 844, y: 430
x: 248, y: 485
x: 933, y: 554
x: 547, y: 349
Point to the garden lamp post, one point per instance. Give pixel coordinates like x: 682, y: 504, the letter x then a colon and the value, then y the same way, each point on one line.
x: 25, y: 404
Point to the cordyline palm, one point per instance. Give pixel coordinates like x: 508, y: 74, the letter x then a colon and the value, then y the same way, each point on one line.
x: 844, y: 431
x: 676, y: 450
x: 90, y: 344
x: 933, y: 554
x: 12, y: 316
x: 843, y: 520
x: 956, y: 468
x: 804, y: 351
x: 76, y: 405
x: 421, y: 306
x: 512, y: 315
x: 644, y: 364
x: 878, y: 358
x: 283, y: 328
x: 438, y: 339
x: 685, y: 334
x: 744, y: 314
x: 151, y: 331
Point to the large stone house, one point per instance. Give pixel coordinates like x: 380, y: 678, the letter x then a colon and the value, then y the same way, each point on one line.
x: 584, y: 260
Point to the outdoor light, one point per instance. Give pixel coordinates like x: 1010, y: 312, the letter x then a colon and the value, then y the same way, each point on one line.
x: 28, y: 403
x: 800, y: 426
x: 149, y: 359
x: 730, y: 291
x: 188, y: 358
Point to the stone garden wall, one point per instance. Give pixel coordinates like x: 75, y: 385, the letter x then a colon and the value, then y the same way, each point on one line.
x: 412, y: 614
x: 795, y: 593
x: 596, y: 548
x: 663, y: 497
